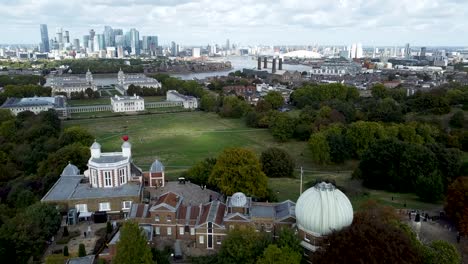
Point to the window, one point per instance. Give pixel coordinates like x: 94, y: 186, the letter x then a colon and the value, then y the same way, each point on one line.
x: 157, y: 230
x: 94, y: 177
x: 218, y: 240
x: 169, y: 231
x: 192, y: 231
x: 169, y: 218
x: 82, y: 207
x: 181, y: 230
x: 306, y: 238
x: 156, y: 218
x: 122, y: 176
x: 107, y: 179
x: 104, y: 206
x: 231, y: 227
x: 201, y: 239
x: 126, y: 204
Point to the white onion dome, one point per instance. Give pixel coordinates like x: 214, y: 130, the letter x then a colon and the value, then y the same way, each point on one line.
x: 96, y: 145
x: 323, y: 209
x: 238, y: 199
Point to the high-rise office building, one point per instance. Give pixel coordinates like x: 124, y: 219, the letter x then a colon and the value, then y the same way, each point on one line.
x: 76, y: 44
x: 85, y: 41
x: 92, y: 34
x: 407, y: 51
x: 135, y: 41
x: 174, y: 49
x: 101, y: 43
x: 44, y: 38
x: 109, y: 38
x: 59, y: 35
x: 119, y: 40
x: 150, y: 44
x: 66, y: 37
x: 228, y: 46
x: 422, y: 53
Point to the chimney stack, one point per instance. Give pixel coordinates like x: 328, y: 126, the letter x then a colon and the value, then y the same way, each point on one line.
x: 273, y: 67
x: 259, y: 66
x: 265, y: 62
x: 280, y: 64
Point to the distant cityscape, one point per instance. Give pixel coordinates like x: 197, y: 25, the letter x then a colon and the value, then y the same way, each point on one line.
x: 117, y: 43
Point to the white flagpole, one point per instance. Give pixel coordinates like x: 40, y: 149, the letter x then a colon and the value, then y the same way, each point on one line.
x: 300, y: 189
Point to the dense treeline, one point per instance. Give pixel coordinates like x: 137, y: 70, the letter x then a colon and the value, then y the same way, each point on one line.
x: 22, y: 86
x: 191, y: 88
x: 21, y: 80
x: 104, y: 65
x: 33, y: 152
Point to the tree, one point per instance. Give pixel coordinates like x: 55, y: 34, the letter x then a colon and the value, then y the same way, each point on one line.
x: 274, y: 255
x: 456, y: 202
x: 320, y: 149
x: 132, y: 246
x: 441, y: 252
x: 108, y: 227
x: 275, y: 99
x: 75, y: 134
x: 200, y: 172
x: 65, y: 251
x: 209, y: 103
x: 379, y: 91
x: 233, y: 107
x: 81, y: 250
x: 238, y: 170
x: 372, y: 238
x: 65, y: 231
x: 458, y: 119
x: 287, y: 238
x: 339, y: 147
x: 429, y: 188
x: 243, y: 246
x: 89, y: 93
x: 362, y: 134
x: 282, y: 126
x: 277, y: 163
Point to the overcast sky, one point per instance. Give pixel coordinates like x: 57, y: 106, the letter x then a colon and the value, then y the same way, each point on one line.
x: 201, y: 22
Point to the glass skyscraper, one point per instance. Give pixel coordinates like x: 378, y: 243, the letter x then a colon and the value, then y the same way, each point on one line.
x: 44, y: 38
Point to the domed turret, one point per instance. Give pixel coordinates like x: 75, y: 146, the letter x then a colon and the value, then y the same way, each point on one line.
x: 126, y: 149
x: 322, y: 209
x: 70, y: 170
x: 157, y: 166
x: 95, y: 150
x: 238, y: 199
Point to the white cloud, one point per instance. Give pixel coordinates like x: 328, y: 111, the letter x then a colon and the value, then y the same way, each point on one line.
x: 424, y: 22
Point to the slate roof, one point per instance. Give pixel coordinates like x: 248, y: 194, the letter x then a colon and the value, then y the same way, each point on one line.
x: 70, y: 170
x: 70, y: 188
x: 109, y: 158
x: 57, y: 101
x: 171, y: 201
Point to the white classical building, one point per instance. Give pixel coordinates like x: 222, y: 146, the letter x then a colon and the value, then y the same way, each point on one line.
x: 125, y: 80
x: 110, y: 169
x: 70, y: 84
x: 36, y: 104
x: 127, y: 103
x: 320, y: 210
x: 189, y: 102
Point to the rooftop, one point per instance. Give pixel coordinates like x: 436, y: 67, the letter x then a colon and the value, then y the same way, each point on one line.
x: 57, y: 101
x: 111, y: 157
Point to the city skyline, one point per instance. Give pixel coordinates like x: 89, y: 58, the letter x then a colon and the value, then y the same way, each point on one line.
x: 420, y: 22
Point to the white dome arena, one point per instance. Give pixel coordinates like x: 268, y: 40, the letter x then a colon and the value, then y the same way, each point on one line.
x: 322, y: 209
x: 303, y: 54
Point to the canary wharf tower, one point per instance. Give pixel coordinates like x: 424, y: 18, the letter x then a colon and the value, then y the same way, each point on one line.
x: 44, y: 38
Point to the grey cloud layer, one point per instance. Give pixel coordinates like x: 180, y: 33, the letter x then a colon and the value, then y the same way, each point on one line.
x: 252, y: 21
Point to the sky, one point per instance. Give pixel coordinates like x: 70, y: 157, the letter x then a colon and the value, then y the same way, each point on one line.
x: 246, y: 22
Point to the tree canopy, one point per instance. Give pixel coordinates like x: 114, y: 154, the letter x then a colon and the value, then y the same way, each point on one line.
x: 132, y: 247
x: 239, y: 170
x: 277, y: 163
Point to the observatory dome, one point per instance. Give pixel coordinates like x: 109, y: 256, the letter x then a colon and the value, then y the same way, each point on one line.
x: 322, y: 209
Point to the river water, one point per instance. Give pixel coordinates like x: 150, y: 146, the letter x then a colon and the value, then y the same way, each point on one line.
x: 237, y: 62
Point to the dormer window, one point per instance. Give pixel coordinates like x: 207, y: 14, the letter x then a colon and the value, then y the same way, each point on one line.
x: 156, y: 218
x: 107, y: 179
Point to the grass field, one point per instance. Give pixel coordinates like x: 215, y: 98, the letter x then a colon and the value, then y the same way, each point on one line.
x: 180, y: 140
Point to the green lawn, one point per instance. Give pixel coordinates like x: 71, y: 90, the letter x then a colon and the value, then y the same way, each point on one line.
x: 181, y: 139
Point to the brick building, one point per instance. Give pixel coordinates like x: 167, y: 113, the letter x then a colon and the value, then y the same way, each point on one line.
x: 206, y: 225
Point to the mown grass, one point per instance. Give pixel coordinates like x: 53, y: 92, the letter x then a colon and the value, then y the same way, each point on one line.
x: 180, y: 140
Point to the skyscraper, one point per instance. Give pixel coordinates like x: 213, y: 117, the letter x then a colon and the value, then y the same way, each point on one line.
x: 135, y: 41
x: 76, y: 44
x: 44, y: 38
x: 85, y: 41
x: 173, y: 49
x: 100, y: 41
x: 407, y: 51
x: 109, y: 38
x: 150, y: 44
x: 66, y: 37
